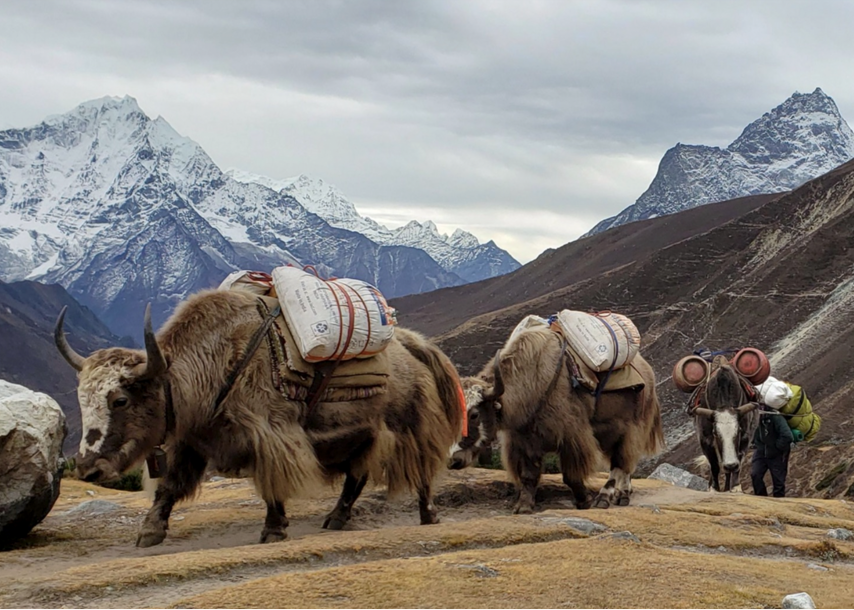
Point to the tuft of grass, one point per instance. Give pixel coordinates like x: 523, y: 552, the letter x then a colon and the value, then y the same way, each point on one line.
x: 130, y: 481
x: 830, y: 477
x: 826, y: 551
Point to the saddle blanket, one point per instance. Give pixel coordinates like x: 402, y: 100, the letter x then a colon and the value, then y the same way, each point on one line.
x: 293, y: 375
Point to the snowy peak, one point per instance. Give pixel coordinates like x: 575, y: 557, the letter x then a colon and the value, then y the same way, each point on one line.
x: 801, y: 139
x: 461, y: 253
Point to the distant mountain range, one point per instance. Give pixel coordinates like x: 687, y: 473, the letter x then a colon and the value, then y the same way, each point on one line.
x: 460, y: 253
x: 121, y: 210
x: 801, y: 139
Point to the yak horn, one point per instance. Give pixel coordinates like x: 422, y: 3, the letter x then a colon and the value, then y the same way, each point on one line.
x: 497, y: 389
x: 747, y: 408
x: 72, y: 357
x: 155, y: 363
x: 704, y: 412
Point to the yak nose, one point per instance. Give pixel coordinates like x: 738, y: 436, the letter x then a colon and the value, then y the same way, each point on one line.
x: 732, y: 467
x: 456, y: 463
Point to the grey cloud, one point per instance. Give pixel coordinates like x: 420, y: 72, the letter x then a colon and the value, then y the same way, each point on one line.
x: 556, y: 106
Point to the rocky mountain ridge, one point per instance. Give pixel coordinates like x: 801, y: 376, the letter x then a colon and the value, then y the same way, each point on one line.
x: 801, y: 139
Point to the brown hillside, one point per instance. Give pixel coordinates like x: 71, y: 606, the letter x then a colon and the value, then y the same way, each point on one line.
x: 779, y: 277
x: 28, y: 356
x: 569, y: 264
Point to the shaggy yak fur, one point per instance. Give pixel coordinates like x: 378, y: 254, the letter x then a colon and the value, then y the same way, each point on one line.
x: 510, y: 398
x: 401, y: 436
x: 724, y: 421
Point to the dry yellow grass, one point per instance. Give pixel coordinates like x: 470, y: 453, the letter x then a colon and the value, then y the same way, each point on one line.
x: 697, y: 550
x: 595, y: 573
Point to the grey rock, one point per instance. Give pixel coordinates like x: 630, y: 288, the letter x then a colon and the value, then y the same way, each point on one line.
x: 585, y: 526
x: 479, y: 569
x: 815, y: 566
x: 798, y: 600
x: 217, y: 478
x: 32, y: 428
x: 681, y: 478
x: 91, y: 508
x: 840, y: 533
x: 625, y: 535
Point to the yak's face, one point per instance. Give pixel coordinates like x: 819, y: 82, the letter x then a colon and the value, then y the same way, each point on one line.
x: 728, y: 416
x: 481, y: 412
x: 122, y: 403
x: 123, y: 416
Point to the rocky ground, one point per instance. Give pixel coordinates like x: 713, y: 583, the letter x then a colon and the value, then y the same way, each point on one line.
x: 673, y: 547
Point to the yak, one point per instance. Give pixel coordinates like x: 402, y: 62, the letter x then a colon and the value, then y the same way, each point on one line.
x: 526, y: 398
x: 724, y: 420
x: 133, y: 401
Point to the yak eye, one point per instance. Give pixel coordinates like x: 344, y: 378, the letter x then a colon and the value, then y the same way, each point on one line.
x: 474, y: 416
x: 121, y: 401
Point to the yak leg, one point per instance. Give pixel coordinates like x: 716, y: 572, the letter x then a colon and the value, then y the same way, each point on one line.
x: 714, y: 468
x: 728, y: 479
x: 426, y: 507
x: 181, y: 480
x: 617, y: 490
x: 340, y: 515
x: 527, y: 468
x: 570, y: 469
x: 275, y: 524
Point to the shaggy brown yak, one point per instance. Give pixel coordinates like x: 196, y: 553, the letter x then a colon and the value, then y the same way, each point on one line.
x: 527, y: 399
x: 132, y: 401
x: 724, y: 421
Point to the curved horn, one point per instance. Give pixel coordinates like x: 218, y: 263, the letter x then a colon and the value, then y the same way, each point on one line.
x: 72, y: 357
x: 155, y: 363
x: 497, y: 389
x: 747, y: 408
x: 703, y: 412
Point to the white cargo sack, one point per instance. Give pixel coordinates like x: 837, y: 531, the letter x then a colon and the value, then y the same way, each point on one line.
x: 255, y: 282
x: 604, y: 340
x: 333, y: 319
x: 775, y: 393
x: 526, y: 323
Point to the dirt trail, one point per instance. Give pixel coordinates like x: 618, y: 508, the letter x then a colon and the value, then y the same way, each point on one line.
x: 75, y: 559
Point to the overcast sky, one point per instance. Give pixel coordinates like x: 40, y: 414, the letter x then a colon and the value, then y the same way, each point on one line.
x: 523, y: 122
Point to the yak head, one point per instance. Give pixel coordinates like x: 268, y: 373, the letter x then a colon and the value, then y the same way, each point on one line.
x: 122, y: 403
x: 725, y: 416
x: 483, y: 411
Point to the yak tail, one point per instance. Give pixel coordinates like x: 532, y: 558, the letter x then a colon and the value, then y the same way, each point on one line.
x: 656, y: 443
x: 445, y: 374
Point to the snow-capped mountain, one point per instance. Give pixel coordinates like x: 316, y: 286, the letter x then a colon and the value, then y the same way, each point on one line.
x: 120, y: 209
x: 801, y: 139
x: 461, y: 253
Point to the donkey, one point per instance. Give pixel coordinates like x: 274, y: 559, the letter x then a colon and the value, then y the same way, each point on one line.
x: 132, y: 401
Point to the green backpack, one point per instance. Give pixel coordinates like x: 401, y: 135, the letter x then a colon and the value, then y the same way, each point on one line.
x: 800, y: 416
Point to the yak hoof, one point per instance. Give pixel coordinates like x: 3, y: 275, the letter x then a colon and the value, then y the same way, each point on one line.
x: 268, y: 536
x: 623, y: 500
x: 523, y: 509
x: 429, y: 519
x: 150, y: 537
x: 601, y: 501
x: 334, y: 522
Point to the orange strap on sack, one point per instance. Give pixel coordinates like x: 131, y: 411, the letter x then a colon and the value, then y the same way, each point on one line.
x: 461, y: 397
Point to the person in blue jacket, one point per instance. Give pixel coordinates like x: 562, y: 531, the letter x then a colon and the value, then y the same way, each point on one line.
x: 773, y: 441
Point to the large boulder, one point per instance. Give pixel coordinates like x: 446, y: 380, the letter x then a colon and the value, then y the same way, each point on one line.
x: 32, y: 428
